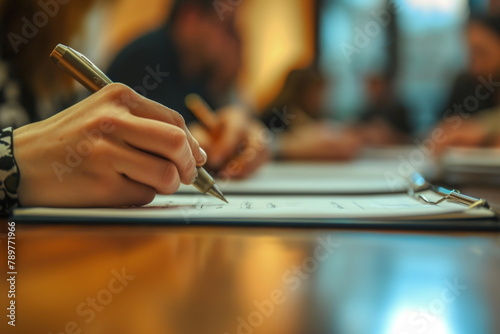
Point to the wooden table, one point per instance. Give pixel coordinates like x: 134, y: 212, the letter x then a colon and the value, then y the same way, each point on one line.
x: 143, y: 279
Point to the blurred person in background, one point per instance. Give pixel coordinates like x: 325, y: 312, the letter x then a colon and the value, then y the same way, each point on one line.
x: 297, y: 117
x: 198, y: 52
x: 302, y: 95
x: 471, y: 117
x: 482, y: 78
x: 114, y: 148
x: 482, y: 130
x: 384, y: 121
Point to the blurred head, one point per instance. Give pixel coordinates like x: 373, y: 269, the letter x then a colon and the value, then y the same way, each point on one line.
x: 483, y: 36
x: 213, y: 37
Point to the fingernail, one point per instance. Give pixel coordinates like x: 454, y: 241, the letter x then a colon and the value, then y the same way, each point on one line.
x: 204, y: 154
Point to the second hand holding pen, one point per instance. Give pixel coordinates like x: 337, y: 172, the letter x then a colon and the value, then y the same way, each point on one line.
x: 91, y: 77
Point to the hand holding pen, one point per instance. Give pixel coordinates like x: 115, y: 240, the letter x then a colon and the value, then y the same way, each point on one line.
x: 91, y: 77
x: 236, y: 143
x: 114, y: 148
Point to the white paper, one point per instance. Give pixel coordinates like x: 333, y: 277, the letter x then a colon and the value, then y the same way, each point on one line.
x: 257, y: 208
x: 474, y: 158
x: 360, y: 177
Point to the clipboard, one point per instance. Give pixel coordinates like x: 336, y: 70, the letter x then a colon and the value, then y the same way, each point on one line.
x: 422, y: 207
x: 417, y: 184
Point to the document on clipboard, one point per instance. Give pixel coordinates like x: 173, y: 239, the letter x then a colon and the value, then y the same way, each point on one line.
x: 421, y: 202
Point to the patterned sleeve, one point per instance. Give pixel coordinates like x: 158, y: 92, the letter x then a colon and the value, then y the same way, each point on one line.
x: 9, y: 174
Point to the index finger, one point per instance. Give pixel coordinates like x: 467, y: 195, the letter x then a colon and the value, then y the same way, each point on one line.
x: 143, y: 107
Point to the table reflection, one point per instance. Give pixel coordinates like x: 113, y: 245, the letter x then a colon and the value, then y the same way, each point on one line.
x: 131, y: 279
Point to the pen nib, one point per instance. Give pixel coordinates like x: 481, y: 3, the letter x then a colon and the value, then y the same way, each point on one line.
x: 215, y: 191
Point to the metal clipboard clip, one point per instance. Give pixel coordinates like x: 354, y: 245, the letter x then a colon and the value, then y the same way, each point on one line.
x: 418, y: 183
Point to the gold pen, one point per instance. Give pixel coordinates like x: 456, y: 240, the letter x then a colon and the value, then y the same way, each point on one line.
x: 91, y: 77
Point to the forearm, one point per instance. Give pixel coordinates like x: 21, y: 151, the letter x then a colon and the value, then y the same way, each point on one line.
x: 9, y: 173
x: 491, y: 121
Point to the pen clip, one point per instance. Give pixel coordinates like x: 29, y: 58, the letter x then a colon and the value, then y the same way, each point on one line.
x: 101, y: 79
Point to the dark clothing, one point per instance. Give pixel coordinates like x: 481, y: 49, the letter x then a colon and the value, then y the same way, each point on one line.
x: 479, y: 90
x: 278, y: 119
x: 151, y: 66
x: 394, y: 113
x: 17, y: 102
x: 19, y: 105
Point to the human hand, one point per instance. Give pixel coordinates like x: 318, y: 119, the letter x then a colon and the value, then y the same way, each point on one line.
x: 115, y: 148
x: 470, y: 133
x: 319, y: 141
x: 379, y: 133
x: 236, y: 147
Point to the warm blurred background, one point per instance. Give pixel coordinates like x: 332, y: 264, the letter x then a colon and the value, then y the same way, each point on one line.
x: 421, y: 47
x: 282, y: 38
x: 385, y: 70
